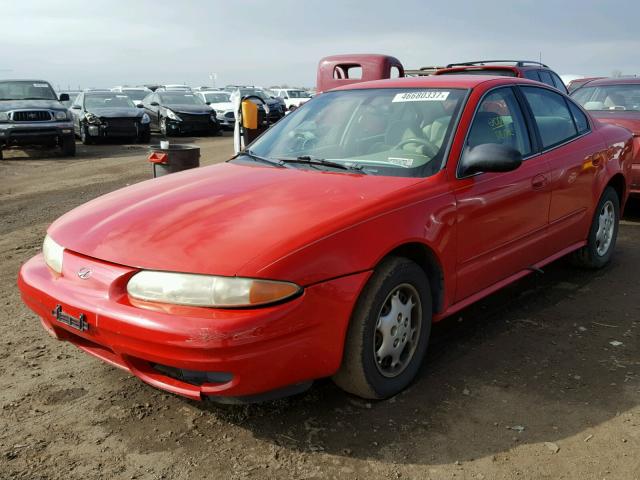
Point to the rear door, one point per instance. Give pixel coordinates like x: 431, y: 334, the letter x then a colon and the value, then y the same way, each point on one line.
x: 568, y: 145
x: 501, y: 217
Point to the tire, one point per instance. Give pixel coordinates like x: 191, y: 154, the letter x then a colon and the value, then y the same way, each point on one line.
x: 162, y: 124
x: 363, y: 372
x: 144, y: 137
x: 68, y: 146
x: 84, y: 136
x: 603, y: 233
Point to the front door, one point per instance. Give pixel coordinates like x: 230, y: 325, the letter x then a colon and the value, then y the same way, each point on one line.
x: 501, y: 217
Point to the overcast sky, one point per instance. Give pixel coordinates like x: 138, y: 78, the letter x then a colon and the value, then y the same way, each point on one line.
x: 107, y: 43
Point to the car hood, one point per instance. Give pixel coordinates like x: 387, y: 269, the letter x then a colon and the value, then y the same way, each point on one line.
x: 6, y: 105
x: 189, y: 108
x: 217, y: 219
x: 624, y: 118
x: 117, y: 112
x: 222, y: 106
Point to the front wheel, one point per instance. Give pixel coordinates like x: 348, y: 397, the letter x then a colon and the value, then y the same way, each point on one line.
x: 603, y: 233
x: 389, y: 331
x: 85, y: 138
x: 144, y: 137
x: 68, y: 146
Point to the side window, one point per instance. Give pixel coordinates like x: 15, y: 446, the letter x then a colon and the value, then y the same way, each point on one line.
x: 545, y: 77
x: 499, y: 119
x: 552, y: 115
x: 579, y: 117
x: 558, y: 81
x: 532, y: 75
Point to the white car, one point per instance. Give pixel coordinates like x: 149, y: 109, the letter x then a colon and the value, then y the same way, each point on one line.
x: 293, y: 97
x: 136, y: 94
x: 221, y: 103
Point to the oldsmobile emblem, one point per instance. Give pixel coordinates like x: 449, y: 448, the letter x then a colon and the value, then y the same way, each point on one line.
x: 84, y: 273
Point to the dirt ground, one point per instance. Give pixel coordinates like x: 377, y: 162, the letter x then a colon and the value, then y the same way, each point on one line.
x: 525, y: 384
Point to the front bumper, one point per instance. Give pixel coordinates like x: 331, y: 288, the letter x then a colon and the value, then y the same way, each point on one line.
x: 246, y: 351
x: 185, y: 127
x: 35, y: 133
x: 109, y: 131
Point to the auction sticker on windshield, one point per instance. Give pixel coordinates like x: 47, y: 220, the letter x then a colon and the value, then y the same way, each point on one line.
x: 422, y: 96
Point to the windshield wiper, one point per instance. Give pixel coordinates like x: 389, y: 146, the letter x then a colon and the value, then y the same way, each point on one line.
x: 308, y: 160
x: 258, y: 158
x: 37, y: 98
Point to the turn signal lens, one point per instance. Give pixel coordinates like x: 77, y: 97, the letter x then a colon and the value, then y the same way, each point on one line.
x: 207, y: 290
x: 52, y: 253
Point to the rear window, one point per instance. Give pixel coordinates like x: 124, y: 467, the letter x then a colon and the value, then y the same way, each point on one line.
x: 480, y: 71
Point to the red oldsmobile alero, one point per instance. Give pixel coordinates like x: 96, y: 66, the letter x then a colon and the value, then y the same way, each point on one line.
x: 331, y: 244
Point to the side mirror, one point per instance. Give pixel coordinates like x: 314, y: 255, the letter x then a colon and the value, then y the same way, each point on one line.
x: 490, y: 157
x: 64, y: 97
x: 76, y: 107
x: 139, y: 105
x: 208, y: 103
x: 154, y: 104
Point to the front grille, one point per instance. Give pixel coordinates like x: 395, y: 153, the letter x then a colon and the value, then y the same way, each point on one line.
x: 125, y: 126
x: 32, y: 116
x: 230, y: 115
x: 195, y: 118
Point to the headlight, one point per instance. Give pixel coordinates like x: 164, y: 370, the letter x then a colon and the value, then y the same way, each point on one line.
x: 206, y: 290
x: 61, y: 115
x: 145, y: 119
x: 52, y: 253
x: 91, y: 118
x: 171, y: 114
x: 4, y: 116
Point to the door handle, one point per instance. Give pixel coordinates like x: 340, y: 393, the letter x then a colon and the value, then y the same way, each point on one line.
x: 539, y: 182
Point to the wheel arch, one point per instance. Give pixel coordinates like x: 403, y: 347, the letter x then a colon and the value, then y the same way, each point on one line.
x: 426, y: 259
x: 617, y: 182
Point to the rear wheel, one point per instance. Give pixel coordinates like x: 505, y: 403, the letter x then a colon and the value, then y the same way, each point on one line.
x: 68, y: 146
x: 603, y: 233
x: 389, y: 331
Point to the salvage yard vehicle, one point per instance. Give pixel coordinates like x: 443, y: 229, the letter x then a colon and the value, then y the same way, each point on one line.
x: 178, y: 112
x: 32, y: 115
x: 109, y: 115
x: 220, y: 102
x: 616, y: 101
x: 510, y: 68
x: 275, y: 107
x: 293, y: 97
x: 330, y: 245
x: 136, y: 94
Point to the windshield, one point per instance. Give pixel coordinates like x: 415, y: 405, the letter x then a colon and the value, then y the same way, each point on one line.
x: 298, y: 94
x: 393, y: 132
x: 135, y: 94
x: 216, y: 97
x: 609, y: 97
x: 26, y: 90
x: 180, y: 99
x: 107, y: 100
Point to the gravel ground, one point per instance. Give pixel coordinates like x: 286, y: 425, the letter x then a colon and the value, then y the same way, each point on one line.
x: 525, y: 384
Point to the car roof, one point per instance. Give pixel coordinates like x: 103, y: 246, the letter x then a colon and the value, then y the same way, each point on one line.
x: 23, y: 80
x: 613, y: 81
x: 436, y: 81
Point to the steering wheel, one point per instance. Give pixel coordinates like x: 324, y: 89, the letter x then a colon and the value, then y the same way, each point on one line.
x: 304, y: 140
x: 431, y: 148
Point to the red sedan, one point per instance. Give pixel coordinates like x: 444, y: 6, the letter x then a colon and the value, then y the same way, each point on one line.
x: 616, y: 101
x: 331, y: 244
